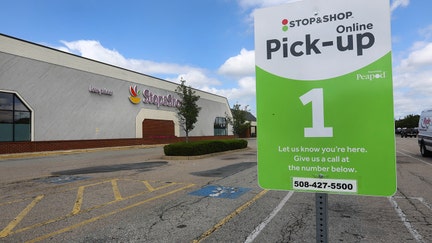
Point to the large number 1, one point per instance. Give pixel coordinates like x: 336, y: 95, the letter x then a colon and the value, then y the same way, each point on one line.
x: 316, y: 97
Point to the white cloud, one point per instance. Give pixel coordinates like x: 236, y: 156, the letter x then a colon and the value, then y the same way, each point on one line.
x: 242, y: 68
x: 253, y: 5
x: 196, y: 78
x: 240, y: 65
x: 426, y: 32
x: 398, y: 3
x: 244, y: 93
x: 420, y: 56
x: 94, y: 50
x: 262, y: 3
x: 412, y: 81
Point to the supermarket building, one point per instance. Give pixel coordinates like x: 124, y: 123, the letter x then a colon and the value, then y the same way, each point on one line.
x: 52, y: 100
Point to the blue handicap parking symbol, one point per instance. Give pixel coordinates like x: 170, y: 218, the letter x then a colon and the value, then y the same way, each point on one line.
x: 62, y: 179
x: 220, y: 191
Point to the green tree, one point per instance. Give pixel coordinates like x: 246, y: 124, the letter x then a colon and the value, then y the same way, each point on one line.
x: 408, y: 121
x: 238, y: 120
x: 188, y: 110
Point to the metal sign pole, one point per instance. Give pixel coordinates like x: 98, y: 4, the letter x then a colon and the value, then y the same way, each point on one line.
x: 321, y: 217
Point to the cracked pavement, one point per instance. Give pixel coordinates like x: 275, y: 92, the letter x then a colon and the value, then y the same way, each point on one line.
x: 120, y: 198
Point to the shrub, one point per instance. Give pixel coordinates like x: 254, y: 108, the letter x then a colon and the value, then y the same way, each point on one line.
x: 203, y: 147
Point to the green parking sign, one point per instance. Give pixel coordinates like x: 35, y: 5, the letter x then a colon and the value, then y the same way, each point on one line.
x: 325, y: 97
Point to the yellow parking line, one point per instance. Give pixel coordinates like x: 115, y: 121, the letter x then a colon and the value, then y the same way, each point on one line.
x: 77, y: 209
x: 229, y: 217
x: 91, y: 220
x: 78, y: 202
x: 13, y: 202
x: 149, y: 187
x: 116, y: 190
x: 20, y: 216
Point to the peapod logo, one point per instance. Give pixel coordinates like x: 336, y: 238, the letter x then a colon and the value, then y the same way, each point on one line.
x: 350, y: 37
x: 151, y: 98
x: 371, y: 75
x: 425, y: 123
x: 286, y: 24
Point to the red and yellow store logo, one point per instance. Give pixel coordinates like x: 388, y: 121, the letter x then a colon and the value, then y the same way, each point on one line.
x: 134, y: 92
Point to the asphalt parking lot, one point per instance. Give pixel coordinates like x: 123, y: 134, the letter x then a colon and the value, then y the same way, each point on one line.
x: 136, y: 195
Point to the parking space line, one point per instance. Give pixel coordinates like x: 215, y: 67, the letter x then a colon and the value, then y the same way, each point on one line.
x: 149, y: 187
x: 267, y: 220
x: 405, y: 221
x: 91, y: 220
x: 14, y: 201
x: 423, y: 161
x: 229, y: 217
x: 424, y: 202
x: 116, y: 190
x: 77, y: 207
x: 420, y: 199
x: 125, y: 198
x: 78, y: 202
x: 6, y: 231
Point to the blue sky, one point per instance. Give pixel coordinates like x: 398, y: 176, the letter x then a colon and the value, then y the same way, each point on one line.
x: 210, y: 43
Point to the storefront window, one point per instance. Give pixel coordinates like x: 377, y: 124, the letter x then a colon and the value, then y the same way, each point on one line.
x: 15, y: 119
x: 220, y: 126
